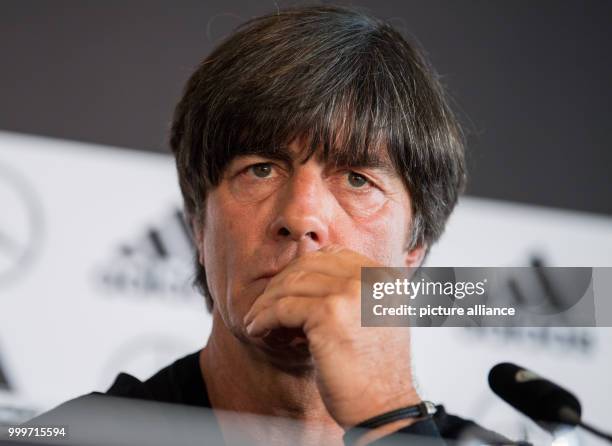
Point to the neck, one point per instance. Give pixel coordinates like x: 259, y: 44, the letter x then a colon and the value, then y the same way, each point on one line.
x: 241, y: 379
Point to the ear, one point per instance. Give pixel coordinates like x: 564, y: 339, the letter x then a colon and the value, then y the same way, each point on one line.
x: 415, y: 256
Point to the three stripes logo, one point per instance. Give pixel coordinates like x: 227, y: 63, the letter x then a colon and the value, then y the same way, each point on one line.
x: 157, y: 263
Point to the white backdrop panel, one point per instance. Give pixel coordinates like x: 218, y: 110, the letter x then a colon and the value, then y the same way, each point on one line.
x: 95, y: 267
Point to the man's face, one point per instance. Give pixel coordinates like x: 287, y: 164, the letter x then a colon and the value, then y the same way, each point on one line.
x: 266, y: 212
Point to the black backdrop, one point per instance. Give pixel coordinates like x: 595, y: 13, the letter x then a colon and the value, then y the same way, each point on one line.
x: 531, y: 79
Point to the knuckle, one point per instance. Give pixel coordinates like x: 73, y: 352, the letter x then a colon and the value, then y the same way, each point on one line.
x: 278, y: 309
x: 354, y: 287
x: 283, y: 307
x: 349, y: 287
x: 332, y: 308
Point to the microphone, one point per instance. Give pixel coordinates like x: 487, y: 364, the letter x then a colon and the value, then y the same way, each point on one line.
x: 540, y: 399
x: 536, y: 397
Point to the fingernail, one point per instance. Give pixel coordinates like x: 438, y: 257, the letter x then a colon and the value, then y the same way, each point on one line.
x: 249, y: 328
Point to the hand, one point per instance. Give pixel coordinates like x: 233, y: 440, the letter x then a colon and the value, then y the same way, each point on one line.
x: 361, y: 372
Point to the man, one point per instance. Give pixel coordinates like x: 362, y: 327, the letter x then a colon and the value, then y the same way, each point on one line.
x: 312, y: 142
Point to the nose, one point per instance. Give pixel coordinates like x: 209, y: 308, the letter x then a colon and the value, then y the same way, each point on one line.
x: 303, y: 212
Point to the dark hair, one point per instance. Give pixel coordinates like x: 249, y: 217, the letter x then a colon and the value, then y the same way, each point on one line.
x: 347, y: 82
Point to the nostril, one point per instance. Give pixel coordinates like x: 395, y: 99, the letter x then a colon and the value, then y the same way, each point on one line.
x: 283, y: 231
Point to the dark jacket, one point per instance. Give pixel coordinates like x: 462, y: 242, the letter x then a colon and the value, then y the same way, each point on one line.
x: 181, y: 384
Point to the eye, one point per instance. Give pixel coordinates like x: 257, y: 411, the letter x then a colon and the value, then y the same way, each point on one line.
x: 357, y: 180
x: 261, y: 170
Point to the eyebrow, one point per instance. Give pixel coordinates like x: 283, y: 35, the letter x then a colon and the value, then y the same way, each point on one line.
x: 282, y: 154
x: 368, y: 159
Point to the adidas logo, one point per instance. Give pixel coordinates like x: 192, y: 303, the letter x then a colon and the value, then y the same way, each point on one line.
x: 158, y: 263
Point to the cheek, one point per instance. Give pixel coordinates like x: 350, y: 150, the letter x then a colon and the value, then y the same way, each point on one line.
x: 230, y: 245
x: 383, y: 236
x: 214, y: 259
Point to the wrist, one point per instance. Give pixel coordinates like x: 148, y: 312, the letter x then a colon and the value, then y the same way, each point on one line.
x: 387, y: 423
x: 372, y: 407
x: 371, y: 435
